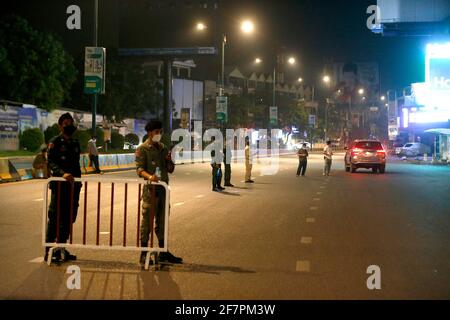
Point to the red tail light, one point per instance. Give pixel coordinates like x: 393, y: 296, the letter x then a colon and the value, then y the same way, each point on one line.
x: 381, y: 152
x: 355, y: 151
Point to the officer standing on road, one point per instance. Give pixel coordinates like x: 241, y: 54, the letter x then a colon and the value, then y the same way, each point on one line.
x: 63, y: 161
x: 228, y: 155
x: 40, y: 164
x: 303, y: 160
x: 154, y: 163
x: 93, y: 153
x: 248, y: 162
x: 216, y: 165
x: 328, y: 158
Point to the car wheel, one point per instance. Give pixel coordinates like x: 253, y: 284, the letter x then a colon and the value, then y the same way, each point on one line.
x: 353, y: 168
x: 347, y: 169
x: 382, y: 169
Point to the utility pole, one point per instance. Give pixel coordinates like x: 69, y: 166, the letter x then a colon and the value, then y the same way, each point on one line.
x: 94, y: 107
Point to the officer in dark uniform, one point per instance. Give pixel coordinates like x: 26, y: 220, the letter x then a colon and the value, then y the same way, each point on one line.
x: 63, y: 161
x: 216, y: 165
x: 228, y: 155
x: 154, y: 163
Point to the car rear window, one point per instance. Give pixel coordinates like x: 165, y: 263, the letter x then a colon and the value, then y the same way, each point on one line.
x: 369, y: 145
x: 409, y: 145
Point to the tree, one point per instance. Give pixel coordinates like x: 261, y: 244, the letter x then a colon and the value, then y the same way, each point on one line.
x: 34, y: 67
x: 31, y: 139
x: 131, y: 89
x: 292, y: 113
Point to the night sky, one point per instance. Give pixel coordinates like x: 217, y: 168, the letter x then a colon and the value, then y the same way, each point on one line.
x: 317, y: 32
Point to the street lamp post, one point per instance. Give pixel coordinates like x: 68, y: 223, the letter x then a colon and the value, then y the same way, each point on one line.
x: 222, y: 81
x: 326, y: 80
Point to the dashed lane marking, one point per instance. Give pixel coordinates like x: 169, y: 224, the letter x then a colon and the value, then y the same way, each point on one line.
x: 310, y: 220
x: 306, y: 240
x: 104, y: 233
x: 179, y: 204
x: 313, y: 208
x: 316, y: 199
x: 37, y: 260
x: 200, y: 196
x: 319, y: 193
x: 303, y: 266
x: 38, y: 200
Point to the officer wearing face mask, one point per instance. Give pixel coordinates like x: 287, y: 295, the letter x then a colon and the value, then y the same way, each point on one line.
x: 63, y: 161
x: 154, y: 163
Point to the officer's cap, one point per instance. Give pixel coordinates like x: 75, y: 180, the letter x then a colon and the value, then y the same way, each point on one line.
x: 153, y: 125
x: 65, y: 116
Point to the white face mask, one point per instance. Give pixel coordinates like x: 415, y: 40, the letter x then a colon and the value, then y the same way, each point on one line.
x: 156, y: 138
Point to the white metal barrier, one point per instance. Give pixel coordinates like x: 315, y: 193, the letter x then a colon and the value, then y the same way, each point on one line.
x: 151, y: 249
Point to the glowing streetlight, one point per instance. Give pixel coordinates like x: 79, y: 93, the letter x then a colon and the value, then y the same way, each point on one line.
x: 201, y: 26
x: 326, y: 79
x: 291, y: 60
x: 258, y: 60
x: 361, y: 91
x: 247, y: 26
x: 383, y: 98
x: 300, y: 80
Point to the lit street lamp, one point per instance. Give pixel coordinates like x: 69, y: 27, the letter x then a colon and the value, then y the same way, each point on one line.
x: 300, y: 80
x: 247, y: 26
x: 201, y: 26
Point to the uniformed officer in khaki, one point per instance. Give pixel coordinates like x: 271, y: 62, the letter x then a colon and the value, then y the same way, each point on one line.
x: 150, y: 156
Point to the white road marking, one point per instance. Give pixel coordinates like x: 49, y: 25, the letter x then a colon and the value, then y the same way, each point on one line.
x: 303, y: 266
x: 316, y: 199
x: 319, y: 193
x: 188, y: 173
x: 306, y: 240
x: 200, y: 196
x: 310, y: 220
x: 104, y: 232
x: 179, y: 204
x: 322, y: 187
x: 313, y: 208
x: 38, y: 200
x: 37, y: 260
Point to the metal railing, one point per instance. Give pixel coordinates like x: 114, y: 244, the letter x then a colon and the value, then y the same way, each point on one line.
x: 124, y: 245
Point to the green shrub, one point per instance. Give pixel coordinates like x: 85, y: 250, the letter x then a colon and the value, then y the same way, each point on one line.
x: 132, y: 138
x: 51, y: 132
x: 31, y: 139
x: 83, y: 137
x: 117, y: 140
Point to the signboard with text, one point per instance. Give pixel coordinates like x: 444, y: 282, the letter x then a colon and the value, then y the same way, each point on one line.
x: 273, y: 116
x: 222, y: 109
x: 94, y: 70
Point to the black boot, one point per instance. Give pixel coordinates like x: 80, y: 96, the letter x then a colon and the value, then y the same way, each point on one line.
x: 167, y: 257
x: 56, y: 256
x: 68, y: 256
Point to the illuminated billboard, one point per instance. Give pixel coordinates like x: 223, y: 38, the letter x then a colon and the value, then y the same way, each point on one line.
x: 433, y: 96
